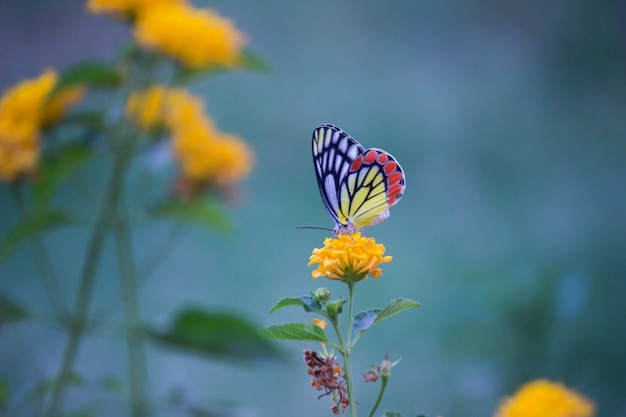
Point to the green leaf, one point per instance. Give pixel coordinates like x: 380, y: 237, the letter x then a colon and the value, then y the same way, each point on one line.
x: 55, y: 169
x: 366, y: 319
x: 287, y: 301
x: 10, y: 311
x: 295, y: 331
x: 91, y: 73
x: 306, y: 301
x: 247, y: 61
x: 41, y: 221
x: 219, y: 335
x: 205, y: 212
x: 397, y: 305
x: 392, y: 414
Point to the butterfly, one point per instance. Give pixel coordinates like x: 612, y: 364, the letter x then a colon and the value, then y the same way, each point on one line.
x: 357, y: 185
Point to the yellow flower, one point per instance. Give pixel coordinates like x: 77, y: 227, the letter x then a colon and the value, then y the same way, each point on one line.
x: 543, y: 398
x: 124, y: 7
x: 321, y: 323
x: 349, y: 258
x: 207, y: 155
x: 24, y: 109
x: 197, y: 37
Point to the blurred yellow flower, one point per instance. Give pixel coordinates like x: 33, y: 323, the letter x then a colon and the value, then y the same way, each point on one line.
x: 349, y: 258
x: 543, y: 398
x: 24, y: 109
x: 207, y: 155
x: 197, y: 37
x: 124, y: 7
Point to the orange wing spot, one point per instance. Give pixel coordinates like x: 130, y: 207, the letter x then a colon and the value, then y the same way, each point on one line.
x: 356, y: 164
x: 395, y: 179
x: 393, y: 193
x: 390, y: 167
x: 382, y: 158
x: 370, y: 157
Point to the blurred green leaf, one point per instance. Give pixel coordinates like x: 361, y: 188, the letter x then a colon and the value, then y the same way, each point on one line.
x: 216, y: 334
x: 4, y: 393
x: 254, y: 62
x: 10, y: 311
x: 204, y: 212
x: 56, y: 168
x: 42, y: 388
x: 90, y: 73
x: 90, y: 119
x: 248, y: 61
x: 40, y: 222
x: 111, y: 384
x: 295, y: 331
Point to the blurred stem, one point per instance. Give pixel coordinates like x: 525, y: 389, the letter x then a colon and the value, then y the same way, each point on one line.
x: 383, y: 385
x: 42, y: 260
x: 134, y: 334
x: 88, y: 277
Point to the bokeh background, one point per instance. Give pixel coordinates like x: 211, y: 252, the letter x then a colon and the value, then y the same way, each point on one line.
x: 509, y: 119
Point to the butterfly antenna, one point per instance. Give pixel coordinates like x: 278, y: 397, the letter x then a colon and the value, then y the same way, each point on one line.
x: 314, y: 228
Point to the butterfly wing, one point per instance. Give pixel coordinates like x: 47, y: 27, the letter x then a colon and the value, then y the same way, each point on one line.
x: 374, y: 183
x: 357, y: 186
x: 333, y: 153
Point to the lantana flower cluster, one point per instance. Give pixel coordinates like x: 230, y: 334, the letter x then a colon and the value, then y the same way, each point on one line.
x: 206, y: 155
x: 25, y: 110
x: 349, y: 258
x: 198, y: 38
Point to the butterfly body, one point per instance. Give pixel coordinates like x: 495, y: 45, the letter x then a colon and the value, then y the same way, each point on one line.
x: 357, y: 185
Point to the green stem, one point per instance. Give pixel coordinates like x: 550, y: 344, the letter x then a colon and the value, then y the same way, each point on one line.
x: 134, y: 335
x: 42, y: 261
x: 87, y: 280
x: 346, y: 352
x: 383, y: 385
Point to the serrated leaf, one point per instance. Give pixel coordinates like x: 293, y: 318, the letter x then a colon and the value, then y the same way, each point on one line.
x: 203, y: 212
x: 364, y: 320
x: 10, y: 311
x: 40, y: 222
x: 397, y: 305
x: 91, y: 73
x: 221, y: 335
x: 295, y: 331
x: 285, y: 302
x: 55, y: 169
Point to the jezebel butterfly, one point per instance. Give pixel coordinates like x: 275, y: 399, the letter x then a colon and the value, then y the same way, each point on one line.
x: 357, y: 185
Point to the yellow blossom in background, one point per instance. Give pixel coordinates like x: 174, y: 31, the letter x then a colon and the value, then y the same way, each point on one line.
x: 159, y: 106
x: 349, y: 258
x: 197, y: 37
x: 24, y: 109
x: 543, y: 398
x: 124, y: 7
x: 320, y: 323
x: 207, y: 155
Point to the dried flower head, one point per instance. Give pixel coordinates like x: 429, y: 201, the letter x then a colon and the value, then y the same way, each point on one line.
x: 326, y: 375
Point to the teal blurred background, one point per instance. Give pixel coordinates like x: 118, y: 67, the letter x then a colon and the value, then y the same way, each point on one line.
x: 509, y: 119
